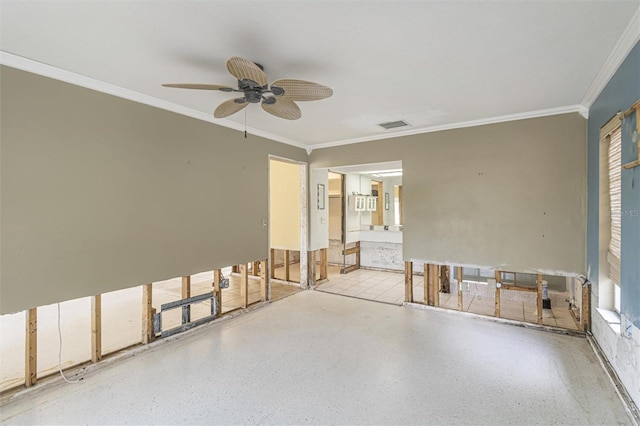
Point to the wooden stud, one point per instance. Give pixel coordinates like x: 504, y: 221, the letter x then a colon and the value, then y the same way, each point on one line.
x: 264, y: 294
x: 96, y: 328
x: 435, y: 284
x: 235, y: 269
x: 497, y: 309
x: 408, y: 281
x: 244, y: 286
x: 460, y: 305
x: 358, y: 255
x: 31, y: 348
x: 585, y: 314
x: 147, y: 314
x: 323, y: 264
x: 186, y: 293
x: 272, y: 264
x: 255, y: 268
x: 217, y: 291
x: 445, y: 279
x: 539, y: 298
x: 426, y: 283
x: 311, y: 267
x: 286, y: 265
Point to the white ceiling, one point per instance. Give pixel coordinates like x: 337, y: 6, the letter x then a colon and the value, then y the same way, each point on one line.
x: 435, y: 64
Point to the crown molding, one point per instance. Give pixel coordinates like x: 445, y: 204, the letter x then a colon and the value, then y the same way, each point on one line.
x: 35, y: 67
x: 627, y: 40
x: 458, y: 125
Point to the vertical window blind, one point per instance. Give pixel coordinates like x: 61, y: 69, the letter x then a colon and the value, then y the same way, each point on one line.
x: 615, y: 204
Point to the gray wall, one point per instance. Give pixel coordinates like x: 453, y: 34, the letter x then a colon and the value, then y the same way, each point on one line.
x: 508, y: 195
x: 622, y: 91
x: 100, y: 193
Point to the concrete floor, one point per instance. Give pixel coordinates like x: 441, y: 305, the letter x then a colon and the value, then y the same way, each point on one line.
x: 315, y: 358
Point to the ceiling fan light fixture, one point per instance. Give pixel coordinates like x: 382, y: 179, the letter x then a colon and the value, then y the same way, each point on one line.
x: 254, y: 84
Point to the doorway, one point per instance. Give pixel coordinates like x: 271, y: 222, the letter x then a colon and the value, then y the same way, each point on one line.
x: 287, y: 220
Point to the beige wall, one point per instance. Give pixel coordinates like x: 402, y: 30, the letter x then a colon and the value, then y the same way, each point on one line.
x: 284, y: 205
x: 508, y: 195
x: 100, y: 193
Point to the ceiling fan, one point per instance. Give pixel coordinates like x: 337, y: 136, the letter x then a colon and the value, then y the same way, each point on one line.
x: 278, y: 99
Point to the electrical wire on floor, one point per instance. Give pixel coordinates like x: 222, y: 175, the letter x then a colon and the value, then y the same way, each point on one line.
x: 60, y: 353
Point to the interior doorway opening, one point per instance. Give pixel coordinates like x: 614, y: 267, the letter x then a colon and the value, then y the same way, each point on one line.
x: 288, y: 221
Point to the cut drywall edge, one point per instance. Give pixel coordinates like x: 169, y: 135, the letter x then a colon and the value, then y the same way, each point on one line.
x: 502, y: 267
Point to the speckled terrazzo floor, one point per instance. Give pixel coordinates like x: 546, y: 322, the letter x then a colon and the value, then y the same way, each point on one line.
x: 317, y: 358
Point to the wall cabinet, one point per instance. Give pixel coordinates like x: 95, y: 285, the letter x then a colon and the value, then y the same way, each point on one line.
x: 362, y: 203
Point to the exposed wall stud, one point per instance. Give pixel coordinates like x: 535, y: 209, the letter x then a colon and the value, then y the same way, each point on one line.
x: 585, y: 314
x: 286, y: 265
x: 460, y: 305
x: 255, y: 268
x: 426, y: 283
x: 31, y: 348
x: 434, y: 284
x: 497, y: 308
x: 408, y: 281
x: 217, y: 292
x: 186, y: 293
x: 147, y: 314
x: 539, y: 298
x: 264, y: 289
x: 311, y: 267
x: 323, y: 264
x: 244, y: 286
x: 272, y: 264
x: 96, y: 328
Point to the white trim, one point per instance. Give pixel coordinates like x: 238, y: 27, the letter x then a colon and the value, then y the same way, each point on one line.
x: 459, y: 125
x: 625, y: 43
x: 45, y: 70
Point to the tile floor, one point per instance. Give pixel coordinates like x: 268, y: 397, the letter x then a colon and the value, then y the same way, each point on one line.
x: 316, y: 358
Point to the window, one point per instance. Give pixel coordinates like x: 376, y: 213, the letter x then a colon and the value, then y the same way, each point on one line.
x: 615, y: 212
x: 610, y: 215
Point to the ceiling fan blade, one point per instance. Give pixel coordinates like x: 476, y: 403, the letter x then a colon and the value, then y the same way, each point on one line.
x: 243, y: 69
x: 300, y: 90
x: 229, y: 107
x: 200, y: 86
x: 283, y: 108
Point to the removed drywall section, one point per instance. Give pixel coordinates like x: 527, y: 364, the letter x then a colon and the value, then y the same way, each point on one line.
x: 506, y: 196
x: 284, y: 205
x: 100, y: 193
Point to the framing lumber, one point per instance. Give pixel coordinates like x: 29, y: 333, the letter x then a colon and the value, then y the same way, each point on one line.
x: 434, y: 278
x: 186, y: 293
x: 352, y: 250
x: 147, y: 314
x: 96, y: 328
x: 264, y: 290
x: 539, y: 299
x: 323, y: 264
x: 272, y: 264
x: 585, y: 315
x: 31, y: 348
x: 244, y: 286
x: 426, y: 299
x: 497, y: 300
x: 255, y: 268
x: 287, y: 258
x: 445, y: 279
x: 217, y: 292
x: 460, y: 305
x: 235, y: 269
x: 311, y: 267
x: 408, y: 282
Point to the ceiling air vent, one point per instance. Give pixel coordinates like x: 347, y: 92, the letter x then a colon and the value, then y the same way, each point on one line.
x: 394, y: 124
